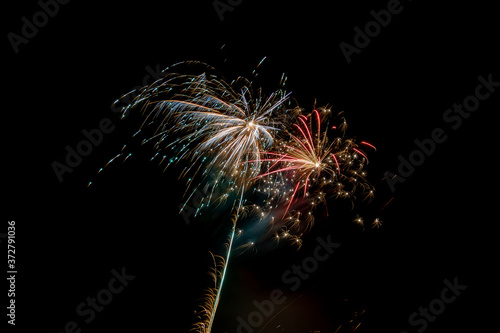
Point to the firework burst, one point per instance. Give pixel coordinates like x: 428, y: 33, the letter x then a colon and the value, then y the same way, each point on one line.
x: 306, y: 167
x: 273, y: 164
x: 218, y: 128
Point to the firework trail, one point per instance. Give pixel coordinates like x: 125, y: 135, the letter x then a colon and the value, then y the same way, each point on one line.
x: 219, y: 130
x: 271, y: 163
x: 211, y: 299
x: 299, y: 173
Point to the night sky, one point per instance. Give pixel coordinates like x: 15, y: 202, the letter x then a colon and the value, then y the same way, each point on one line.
x: 402, y: 86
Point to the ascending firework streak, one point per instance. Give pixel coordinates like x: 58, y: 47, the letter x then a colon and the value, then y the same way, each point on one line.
x: 253, y: 148
x: 212, y: 296
x: 220, y: 129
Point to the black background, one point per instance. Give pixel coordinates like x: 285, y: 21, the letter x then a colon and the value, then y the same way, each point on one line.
x: 439, y: 225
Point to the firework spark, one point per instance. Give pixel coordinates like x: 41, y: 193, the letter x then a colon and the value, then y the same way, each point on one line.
x: 275, y: 164
x: 216, y: 127
x: 312, y: 167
